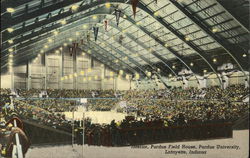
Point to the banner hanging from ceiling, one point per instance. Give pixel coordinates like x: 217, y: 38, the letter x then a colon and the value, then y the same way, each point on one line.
x: 88, y: 36
x: 106, y: 25
x: 95, y: 32
x: 134, y: 6
x: 117, y: 15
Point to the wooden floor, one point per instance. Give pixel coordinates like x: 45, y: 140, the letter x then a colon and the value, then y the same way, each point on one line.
x: 240, y: 139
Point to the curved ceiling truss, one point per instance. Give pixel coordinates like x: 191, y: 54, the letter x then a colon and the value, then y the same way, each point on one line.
x: 55, y: 12
x: 101, y: 18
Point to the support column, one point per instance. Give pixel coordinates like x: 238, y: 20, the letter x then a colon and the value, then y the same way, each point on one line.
x: 46, y: 71
x: 28, y: 75
x: 74, y: 69
x: 225, y: 80
x: 102, y: 76
x: 114, y: 82
x: 12, y: 78
x: 62, y: 66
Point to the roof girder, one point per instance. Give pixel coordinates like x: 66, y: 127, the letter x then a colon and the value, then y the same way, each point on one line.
x: 204, y: 26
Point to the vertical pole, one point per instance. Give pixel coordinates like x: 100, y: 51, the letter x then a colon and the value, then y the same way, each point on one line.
x: 83, y: 132
x: 12, y: 78
x: 27, y: 76
x: 102, y: 76
x: 130, y: 84
x: 46, y: 70
x: 19, y: 152
x: 62, y: 66
x: 74, y: 69
x: 13, y: 75
x: 113, y: 82
x: 73, y: 125
x: 0, y: 61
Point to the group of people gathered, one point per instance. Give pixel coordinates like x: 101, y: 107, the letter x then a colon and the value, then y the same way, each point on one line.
x: 154, y: 111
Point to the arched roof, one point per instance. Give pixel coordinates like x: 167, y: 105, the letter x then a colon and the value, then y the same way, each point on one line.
x: 168, y: 35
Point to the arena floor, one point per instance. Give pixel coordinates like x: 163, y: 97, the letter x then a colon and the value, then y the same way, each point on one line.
x: 97, y: 116
x: 240, y: 139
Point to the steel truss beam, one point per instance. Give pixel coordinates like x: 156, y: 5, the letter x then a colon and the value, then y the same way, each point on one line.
x: 130, y: 36
x: 142, y: 70
x: 120, y: 30
x: 228, y: 12
x: 114, y: 66
x: 96, y: 55
x: 142, y: 57
x: 102, y: 11
x: 8, y: 21
x: 205, y: 27
x: 160, y: 20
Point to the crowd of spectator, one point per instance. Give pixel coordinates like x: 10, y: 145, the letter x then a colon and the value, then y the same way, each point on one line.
x: 41, y: 116
x: 151, y: 130
x: 159, y: 108
x: 232, y: 93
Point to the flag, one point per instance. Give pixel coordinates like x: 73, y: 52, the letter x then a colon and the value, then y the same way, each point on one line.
x: 117, y: 15
x: 88, y: 37
x: 106, y: 25
x: 95, y: 32
x: 134, y: 5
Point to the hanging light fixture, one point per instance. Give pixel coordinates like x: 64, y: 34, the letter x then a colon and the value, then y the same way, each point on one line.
x: 156, y: 13
x: 107, y: 5
x: 75, y: 7
x: 56, y: 33
x: 89, y: 69
x: 127, y: 77
x: 10, y: 41
x: 121, y: 72
x: 214, y: 60
x: 82, y: 73
x: 137, y: 76
x: 214, y: 30
x: 63, y: 22
x: 10, y: 10
x: 10, y: 30
x: 149, y: 74
x: 10, y: 50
